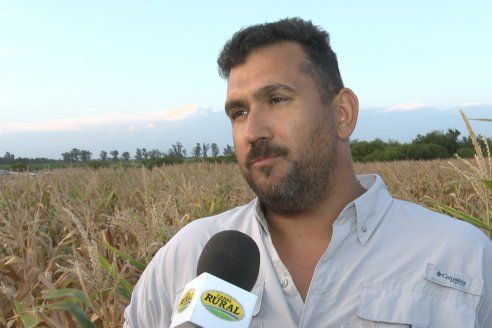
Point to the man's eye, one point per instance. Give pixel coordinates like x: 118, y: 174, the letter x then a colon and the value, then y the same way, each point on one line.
x: 237, y: 114
x: 276, y: 100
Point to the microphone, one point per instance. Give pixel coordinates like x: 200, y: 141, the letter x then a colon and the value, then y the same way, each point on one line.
x: 219, y: 296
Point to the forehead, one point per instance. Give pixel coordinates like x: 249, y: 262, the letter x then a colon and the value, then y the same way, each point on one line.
x: 279, y: 63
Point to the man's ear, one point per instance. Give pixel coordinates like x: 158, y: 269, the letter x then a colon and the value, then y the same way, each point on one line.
x: 347, y: 109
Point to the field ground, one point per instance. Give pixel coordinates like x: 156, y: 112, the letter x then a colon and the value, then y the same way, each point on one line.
x: 73, y: 242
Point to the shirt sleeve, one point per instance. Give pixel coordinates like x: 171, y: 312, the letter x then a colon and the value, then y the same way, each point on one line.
x: 149, y: 305
x: 484, y: 312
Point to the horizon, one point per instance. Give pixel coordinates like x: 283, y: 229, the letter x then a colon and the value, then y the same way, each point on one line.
x: 95, y: 154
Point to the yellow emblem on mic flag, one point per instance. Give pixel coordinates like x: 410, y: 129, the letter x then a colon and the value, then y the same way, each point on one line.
x: 222, y: 305
x: 186, y: 300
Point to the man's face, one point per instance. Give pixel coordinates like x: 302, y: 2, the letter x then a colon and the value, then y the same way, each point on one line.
x: 284, y: 135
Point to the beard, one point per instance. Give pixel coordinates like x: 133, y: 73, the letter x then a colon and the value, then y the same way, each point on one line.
x: 308, y: 179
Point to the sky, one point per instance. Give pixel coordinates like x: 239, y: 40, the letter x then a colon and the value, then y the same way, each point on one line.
x: 104, y: 75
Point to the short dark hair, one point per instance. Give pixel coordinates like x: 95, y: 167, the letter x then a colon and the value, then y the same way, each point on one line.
x: 314, y: 41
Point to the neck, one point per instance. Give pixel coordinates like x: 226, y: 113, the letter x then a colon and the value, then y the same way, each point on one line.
x: 316, y: 223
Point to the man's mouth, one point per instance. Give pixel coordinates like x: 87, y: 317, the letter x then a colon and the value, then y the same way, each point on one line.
x: 264, y: 154
x: 264, y: 160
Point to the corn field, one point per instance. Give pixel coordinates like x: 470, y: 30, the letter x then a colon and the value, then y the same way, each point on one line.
x: 73, y: 242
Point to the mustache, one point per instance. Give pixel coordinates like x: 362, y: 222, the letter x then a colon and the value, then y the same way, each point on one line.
x: 262, y: 148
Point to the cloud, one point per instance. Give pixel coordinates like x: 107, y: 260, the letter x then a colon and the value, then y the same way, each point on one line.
x: 405, y: 107
x: 146, y: 119
x: 471, y: 104
x: 182, y: 113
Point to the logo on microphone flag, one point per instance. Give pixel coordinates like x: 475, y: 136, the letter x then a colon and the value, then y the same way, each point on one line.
x: 186, y: 300
x: 222, y: 305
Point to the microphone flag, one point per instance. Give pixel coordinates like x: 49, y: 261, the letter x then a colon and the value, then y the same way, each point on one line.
x: 208, y: 301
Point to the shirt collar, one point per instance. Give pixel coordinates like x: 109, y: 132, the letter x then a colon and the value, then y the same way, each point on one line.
x: 260, y: 216
x: 370, y: 207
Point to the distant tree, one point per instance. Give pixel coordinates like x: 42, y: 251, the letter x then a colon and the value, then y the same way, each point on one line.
x: 103, y: 155
x: 408, y: 152
x: 229, y: 151
x: 205, y: 149
x: 467, y: 149
x: 426, y: 152
x: 74, y: 154
x: 197, y: 150
x: 364, y: 150
x: 184, y: 152
x: 392, y: 142
x: 466, y: 142
x: 126, y: 156
x: 360, y: 149
x: 177, y: 150
x: 215, y: 149
x: 8, y: 157
x: 114, y: 154
x: 85, y: 155
x: 448, y: 140
x: 155, y: 153
x: 138, y: 154
x: 145, y: 155
x: 66, y: 157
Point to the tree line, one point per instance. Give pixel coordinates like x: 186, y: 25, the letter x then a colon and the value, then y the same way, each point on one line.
x: 148, y: 157
x: 434, y: 145
x: 10, y: 158
x: 141, y: 154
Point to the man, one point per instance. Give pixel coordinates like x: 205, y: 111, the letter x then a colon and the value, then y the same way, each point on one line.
x: 336, y: 249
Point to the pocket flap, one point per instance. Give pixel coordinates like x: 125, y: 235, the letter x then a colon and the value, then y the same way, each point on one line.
x: 453, y: 279
x: 384, y: 304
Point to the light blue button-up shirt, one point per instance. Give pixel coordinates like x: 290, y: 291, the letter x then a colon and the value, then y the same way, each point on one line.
x: 390, y: 263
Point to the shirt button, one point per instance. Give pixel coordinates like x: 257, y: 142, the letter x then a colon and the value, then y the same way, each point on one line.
x: 364, y: 228
x: 284, y: 283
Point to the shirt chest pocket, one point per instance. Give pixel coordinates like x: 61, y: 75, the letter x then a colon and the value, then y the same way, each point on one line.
x: 432, y: 308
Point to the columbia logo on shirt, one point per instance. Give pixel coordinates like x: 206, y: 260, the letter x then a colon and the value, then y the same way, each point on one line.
x: 451, y: 279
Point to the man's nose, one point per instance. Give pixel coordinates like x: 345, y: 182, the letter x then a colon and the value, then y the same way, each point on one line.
x: 258, y: 125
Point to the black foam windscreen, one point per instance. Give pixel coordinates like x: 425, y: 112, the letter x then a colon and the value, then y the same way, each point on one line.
x: 232, y: 256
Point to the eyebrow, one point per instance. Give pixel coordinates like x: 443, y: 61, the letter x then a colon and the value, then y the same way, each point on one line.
x: 233, y: 104
x: 261, y: 93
